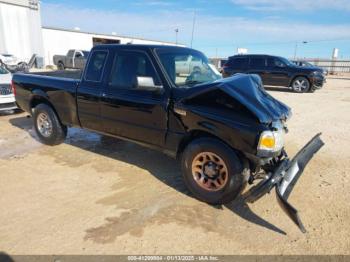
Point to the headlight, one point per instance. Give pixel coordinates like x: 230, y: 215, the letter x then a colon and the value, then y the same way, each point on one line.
x: 317, y: 73
x: 272, y: 141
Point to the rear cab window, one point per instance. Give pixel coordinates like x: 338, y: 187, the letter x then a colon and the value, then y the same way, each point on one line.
x: 96, y: 65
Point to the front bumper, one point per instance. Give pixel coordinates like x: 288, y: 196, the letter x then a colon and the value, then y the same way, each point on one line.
x: 318, y: 81
x: 284, y: 178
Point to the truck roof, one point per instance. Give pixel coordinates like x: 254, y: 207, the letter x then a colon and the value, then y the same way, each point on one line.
x: 138, y: 46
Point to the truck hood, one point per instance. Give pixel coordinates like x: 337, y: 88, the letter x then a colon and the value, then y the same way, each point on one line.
x: 247, y: 90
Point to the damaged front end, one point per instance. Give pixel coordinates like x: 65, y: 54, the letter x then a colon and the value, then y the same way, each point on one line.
x: 244, y: 95
x: 284, y: 177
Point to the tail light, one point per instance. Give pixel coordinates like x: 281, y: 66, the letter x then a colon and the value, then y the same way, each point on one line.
x: 13, y: 87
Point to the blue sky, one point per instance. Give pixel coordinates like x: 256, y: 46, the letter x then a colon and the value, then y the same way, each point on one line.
x: 262, y: 26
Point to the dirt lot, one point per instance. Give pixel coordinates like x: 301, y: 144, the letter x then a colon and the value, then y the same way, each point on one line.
x: 93, y: 195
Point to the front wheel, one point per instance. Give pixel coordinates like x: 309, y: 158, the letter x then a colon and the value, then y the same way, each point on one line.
x: 212, y: 171
x: 300, y: 84
x: 47, y: 125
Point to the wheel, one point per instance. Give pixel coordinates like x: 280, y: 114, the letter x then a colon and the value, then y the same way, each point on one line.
x: 212, y: 171
x: 60, y: 66
x: 47, y: 125
x: 301, y: 84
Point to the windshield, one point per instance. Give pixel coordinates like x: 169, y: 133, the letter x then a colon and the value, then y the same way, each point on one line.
x: 187, y: 68
x: 3, y: 70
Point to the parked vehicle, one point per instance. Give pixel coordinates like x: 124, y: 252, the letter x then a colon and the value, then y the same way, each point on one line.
x: 73, y: 59
x: 9, y: 59
x: 224, y: 131
x: 276, y: 71
x: 308, y: 64
x: 187, y: 64
x: 7, y: 98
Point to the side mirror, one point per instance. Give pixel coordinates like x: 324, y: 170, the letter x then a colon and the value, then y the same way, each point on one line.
x: 147, y: 83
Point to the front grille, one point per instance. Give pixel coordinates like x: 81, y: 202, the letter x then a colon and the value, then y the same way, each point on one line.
x: 5, y: 90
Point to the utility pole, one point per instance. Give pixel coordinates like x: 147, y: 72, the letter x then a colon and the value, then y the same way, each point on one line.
x: 193, y: 25
x: 176, y: 33
x: 295, y: 50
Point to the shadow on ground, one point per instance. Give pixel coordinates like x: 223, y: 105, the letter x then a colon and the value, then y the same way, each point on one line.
x: 160, y: 166
x: 279, y: 89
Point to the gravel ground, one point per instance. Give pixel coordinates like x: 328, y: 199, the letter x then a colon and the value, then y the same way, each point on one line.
x: 95, y: 195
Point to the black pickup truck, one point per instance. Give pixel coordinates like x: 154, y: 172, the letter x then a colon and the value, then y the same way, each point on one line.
x: 226, y: 132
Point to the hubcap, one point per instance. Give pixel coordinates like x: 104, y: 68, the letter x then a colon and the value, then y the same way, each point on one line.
x: 299, y: 85
x: 209, y: 171
x: 44, y: 125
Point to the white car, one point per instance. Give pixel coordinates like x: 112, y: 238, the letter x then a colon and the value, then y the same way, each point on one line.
x: 7, y: 98
x: 9, y: 59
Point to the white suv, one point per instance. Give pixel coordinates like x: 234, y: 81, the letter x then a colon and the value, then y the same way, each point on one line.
x: 7, y: 98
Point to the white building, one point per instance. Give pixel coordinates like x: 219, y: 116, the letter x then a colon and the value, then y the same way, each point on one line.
x: 22, y: 34
x: 20, y: 28
x: 58, y: 41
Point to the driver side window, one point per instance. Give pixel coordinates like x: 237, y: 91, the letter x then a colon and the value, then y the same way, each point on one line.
x: 127, y: 66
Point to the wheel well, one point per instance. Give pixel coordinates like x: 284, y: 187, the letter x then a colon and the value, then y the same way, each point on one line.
x: 195, y: 134
x: 291, y: 82
x: 40, y: 100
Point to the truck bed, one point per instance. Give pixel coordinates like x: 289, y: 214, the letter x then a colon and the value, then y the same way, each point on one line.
x: 57, y: 87
x: 73, y: 74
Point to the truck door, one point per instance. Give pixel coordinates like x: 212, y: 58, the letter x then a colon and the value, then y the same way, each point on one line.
x: 90, y: 91
x: 129, y: 111
x: 69, y: 59
x: 78, y: 60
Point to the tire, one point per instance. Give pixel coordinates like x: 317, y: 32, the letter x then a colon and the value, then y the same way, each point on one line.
x: 60, y: 66
x: 300, y: 85
x: 232, y: 183
x: 47, y: 125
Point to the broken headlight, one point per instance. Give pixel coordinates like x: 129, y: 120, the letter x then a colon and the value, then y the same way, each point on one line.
x: 271, y: 141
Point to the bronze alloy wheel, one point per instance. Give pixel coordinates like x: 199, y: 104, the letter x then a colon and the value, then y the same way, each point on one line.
x: 209, y: 171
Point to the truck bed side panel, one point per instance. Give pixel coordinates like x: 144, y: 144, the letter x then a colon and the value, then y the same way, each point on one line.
x: 59, y: 92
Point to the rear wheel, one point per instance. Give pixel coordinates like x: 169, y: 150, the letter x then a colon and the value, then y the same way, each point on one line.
x: 212, y: 171
x: 47, y: 125
x: 60, y: 66
x: 301, y: 84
